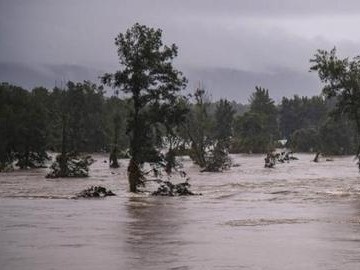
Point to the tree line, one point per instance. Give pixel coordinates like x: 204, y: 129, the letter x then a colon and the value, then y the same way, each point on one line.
x: 33, y: 122
x: 153, y: 114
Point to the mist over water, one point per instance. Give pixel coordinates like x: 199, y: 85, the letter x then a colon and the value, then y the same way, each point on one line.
x: 300, y: 215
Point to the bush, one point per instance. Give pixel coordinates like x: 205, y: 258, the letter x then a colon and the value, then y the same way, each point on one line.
x: 70, y: 165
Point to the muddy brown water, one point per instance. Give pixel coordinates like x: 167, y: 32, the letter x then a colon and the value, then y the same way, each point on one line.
x: 300, y: 215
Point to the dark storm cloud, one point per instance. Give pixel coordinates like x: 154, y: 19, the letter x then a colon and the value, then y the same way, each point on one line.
x: 252, y: 36
x: 256, y: 7
x: 207, y: 32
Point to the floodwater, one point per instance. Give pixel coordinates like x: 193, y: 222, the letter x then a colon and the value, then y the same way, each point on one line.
x: 299, y: 215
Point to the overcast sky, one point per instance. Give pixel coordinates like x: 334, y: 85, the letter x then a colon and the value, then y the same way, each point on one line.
x: 250, y: 35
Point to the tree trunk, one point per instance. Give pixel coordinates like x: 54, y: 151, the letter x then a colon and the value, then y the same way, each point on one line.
x: 113, y: 159
x: 63, y: 159
x: 134, y: 172
x: 170, y: 161
x: 316, y: 159
x: 113, y: 155
x: 134, y: 175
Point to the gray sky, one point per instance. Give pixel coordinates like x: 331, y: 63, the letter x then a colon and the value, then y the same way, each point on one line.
x: 250, y: 35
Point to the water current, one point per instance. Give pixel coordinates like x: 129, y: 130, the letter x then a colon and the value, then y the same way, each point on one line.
x: 299, y: 215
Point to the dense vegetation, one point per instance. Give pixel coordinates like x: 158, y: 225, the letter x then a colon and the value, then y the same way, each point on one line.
x: 153, y: 114
x: 341, y: 78
x: 32, y: 123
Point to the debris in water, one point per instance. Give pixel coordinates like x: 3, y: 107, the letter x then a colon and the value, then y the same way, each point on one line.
x: 272, y: 158
x: 95, y: 192
x: 169, y: 189
x: 269, y: 160
x: 70, y: 165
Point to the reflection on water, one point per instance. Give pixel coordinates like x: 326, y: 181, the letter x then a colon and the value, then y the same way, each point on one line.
x: 153, y: 233
x: 300, y: 215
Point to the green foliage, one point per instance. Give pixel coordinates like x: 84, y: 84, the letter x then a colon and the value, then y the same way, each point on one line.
x: 79, y: 108
x: 306, y: 124
x: 23, y: 127
x: 209, y: 134
x: 250, y: 134
x: 218, y: 159
x: 148, y: 118
x: 297, y: 113
x: 198, y: 128
x: 256, y: 130
x: 260, y: 102
x: 70, y: 165
x: 115, y: 113
x: 224, y: 118
x: 116, y: 122
x: 305, y: 140
x: 77, y: 122
x: 337, y: 137
x: 341, y: 78
x: 82, y: 106
x: 153, y: 86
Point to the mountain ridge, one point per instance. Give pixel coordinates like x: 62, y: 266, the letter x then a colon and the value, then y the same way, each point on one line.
x: 232, y: 84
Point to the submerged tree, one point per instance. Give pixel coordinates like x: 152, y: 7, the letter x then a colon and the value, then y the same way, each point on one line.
x: 222, y: 132
x: 257, y: 129
x: 342, y: 80
x: 31, y: 141
x: 301, y: 113
x: 209, y: 133
x: 198, y: 128
x: 23, y: 119
x: 338, y: 136
x: 150, y: 80
x: 78, y: 116
x: 115, y: 114
x: 171, y: 116
x: 115, y: 148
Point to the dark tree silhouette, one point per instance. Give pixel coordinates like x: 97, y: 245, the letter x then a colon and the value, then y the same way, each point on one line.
x: 149, y: 78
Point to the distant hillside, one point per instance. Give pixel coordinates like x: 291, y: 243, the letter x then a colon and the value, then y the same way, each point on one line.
x: 220, y: 82
x: 238, y: 84
x: 30, y: 76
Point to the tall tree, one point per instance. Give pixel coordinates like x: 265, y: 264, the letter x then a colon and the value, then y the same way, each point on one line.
x: 261, y: 103
x: 224, y: 118
x: 198, y: 128
x: 172, y: 116
x: 342, y: 80
x: 31, y: 141
x: 257, y: 129
x: 22, y: 127
x: 115, y: 114
x: 149, y: 78
x: 209, y: 132
x: 13, y: 102
x: 290, y: 115
x: 223, y: 130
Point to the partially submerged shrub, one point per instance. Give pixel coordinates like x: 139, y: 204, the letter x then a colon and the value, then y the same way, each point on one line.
x: 218, y: 160
x: 6, y: 167
x: 174, y: 183
x: 95, y: 192
x: 70, y: 165
x: 169, y: 189
x: 272, y: 158
x: 31, y: 160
